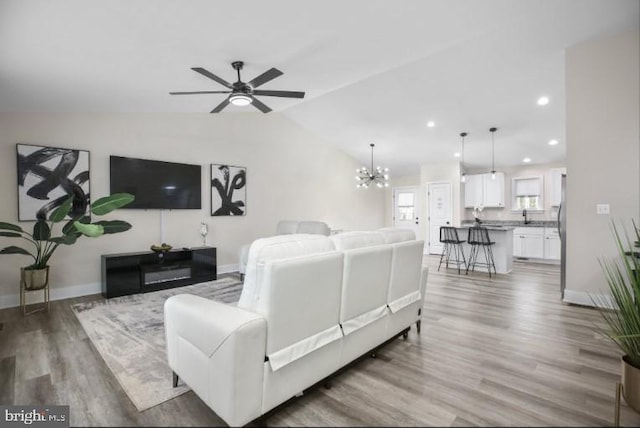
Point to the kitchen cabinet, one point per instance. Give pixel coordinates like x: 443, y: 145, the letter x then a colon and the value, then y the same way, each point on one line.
x: 551, y: 244
x: 556, y: 185
x: 482, y: 190
x: 528, y: 242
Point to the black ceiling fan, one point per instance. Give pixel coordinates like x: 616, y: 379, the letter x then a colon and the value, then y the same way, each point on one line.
x: 243, y: 93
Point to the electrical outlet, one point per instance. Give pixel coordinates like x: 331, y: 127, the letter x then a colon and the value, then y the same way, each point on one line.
x: 602, y: 209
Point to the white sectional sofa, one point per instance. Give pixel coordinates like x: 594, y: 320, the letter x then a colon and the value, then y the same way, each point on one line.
x: 310, y: 305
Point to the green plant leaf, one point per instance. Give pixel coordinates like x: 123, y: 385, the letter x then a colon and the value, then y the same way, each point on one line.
x: 112, y: 202
x: 69, y: 239
x: 61, y: 212
x: 114, y: 226
x: 69, y: 228
x: 10, y: 234
x: 9, y: 226
x: 91, y: 230
x: 41, y: 231
x: 15, y: 250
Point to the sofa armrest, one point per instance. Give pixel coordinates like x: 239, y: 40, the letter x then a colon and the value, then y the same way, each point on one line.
x: 218, y: 350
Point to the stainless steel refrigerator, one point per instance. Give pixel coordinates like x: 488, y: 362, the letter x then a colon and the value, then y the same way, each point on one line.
x: 562, y: 231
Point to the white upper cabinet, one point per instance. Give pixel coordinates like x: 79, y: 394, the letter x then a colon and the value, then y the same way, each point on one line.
x: 473, y: 191
x: 482, y: 190
x: 556, y: 183
x: 494, y: 190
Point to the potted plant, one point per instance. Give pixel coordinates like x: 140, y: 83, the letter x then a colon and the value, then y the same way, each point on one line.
x: 621, y: 311
x: 44, y: 241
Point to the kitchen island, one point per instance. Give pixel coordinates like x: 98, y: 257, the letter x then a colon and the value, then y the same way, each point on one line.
x: 502, y: 249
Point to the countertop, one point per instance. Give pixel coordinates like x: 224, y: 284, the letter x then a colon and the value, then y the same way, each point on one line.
x: 498, y: 224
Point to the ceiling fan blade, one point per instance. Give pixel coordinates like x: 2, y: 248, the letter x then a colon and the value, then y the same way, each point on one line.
x: 199, y: 92
x: 260, y: 106
x: 212, y: 76
x: 220, y: 106
x: 265, y: 77
x: 288, y: 94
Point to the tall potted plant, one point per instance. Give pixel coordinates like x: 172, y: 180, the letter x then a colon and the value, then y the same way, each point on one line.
x: 44, y: 241
x: 621, y: 312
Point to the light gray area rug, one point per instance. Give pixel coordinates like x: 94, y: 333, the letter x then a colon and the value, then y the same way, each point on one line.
x: 128, y: 332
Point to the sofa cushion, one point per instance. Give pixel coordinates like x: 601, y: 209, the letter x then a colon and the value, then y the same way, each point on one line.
x: 357, y: 239
x: 314, y: 227
x: 275, y: 248
x: 406, y: 269
x: 300, y: 299
x: 365, y: 285
x: 394, y: 234
x: 287, y: 227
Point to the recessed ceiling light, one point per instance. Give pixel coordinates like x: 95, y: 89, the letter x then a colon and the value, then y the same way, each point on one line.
x: 553, y: 142
x: 526, y: 160
x: 456, y: 154
x: 543, y: 101
x: 431, y: 124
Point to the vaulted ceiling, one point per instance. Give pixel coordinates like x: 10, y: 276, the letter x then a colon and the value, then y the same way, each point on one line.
x: 374, y: 71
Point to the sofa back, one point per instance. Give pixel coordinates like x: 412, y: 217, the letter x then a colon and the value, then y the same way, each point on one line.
x: 276, y: 247
x: 313, y: 289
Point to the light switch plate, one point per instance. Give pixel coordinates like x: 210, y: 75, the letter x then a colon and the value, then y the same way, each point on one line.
x: 602, y: 208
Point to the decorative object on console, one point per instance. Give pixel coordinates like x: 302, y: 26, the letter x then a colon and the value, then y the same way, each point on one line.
x: 228, y: 190
x: 463, y: 176
x: 377, y: 176
x: 162, y: 248
x: 620, y: 311
x: 204, y: 231
x: 242, y: 94
x: 493, y: 167
x: 47, y: 176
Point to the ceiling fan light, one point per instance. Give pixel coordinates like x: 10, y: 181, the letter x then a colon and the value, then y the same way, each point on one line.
x: 240, y: 99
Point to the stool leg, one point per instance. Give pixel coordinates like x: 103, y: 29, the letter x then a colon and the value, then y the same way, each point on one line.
x: 444, y: 247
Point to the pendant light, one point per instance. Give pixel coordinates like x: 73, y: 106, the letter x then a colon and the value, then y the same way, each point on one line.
x: 377, y: 176
x: 463, y: 177
x: 493, y: 167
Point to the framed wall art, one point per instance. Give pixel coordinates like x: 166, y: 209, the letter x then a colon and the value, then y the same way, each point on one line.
x: 228, y: 190
x: 47, y: 176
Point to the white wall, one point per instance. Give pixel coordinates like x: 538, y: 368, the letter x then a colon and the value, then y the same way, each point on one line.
x: 603, y: 154
x: 291, y: 174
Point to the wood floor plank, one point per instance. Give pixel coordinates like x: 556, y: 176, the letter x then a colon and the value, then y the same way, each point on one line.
x: 500, y: 351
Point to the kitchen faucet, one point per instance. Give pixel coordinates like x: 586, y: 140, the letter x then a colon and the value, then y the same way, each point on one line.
x: 524, y: 213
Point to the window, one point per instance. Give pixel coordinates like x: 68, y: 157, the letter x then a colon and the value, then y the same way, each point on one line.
x: 527, y: 194
x: 405, y: 205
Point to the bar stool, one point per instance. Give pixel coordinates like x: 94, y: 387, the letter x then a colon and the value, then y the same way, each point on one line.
x: 452, y: 247
x: 478, y: 237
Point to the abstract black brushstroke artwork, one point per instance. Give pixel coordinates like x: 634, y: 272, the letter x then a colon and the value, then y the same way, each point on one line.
x: 47, y: 176
x: 228, y: 190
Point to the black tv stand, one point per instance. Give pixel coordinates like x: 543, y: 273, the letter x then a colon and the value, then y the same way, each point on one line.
x: 131, y: 273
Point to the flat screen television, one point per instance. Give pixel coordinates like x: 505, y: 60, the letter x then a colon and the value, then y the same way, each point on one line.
x: 156, y: 184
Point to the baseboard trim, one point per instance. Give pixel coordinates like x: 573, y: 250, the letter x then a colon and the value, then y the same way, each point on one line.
x: 13, y: 300
x: 585, y: 299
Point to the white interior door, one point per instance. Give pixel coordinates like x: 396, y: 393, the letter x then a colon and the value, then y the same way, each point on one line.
x: 440, y: 212
x: 405, y: 209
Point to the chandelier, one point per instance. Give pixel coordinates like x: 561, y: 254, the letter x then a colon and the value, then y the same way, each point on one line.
x: 377, y: 176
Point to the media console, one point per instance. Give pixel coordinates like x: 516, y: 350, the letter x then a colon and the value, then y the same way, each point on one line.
x: 131, y: 273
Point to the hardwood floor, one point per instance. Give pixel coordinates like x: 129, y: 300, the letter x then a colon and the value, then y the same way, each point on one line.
x: 493, y: 352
